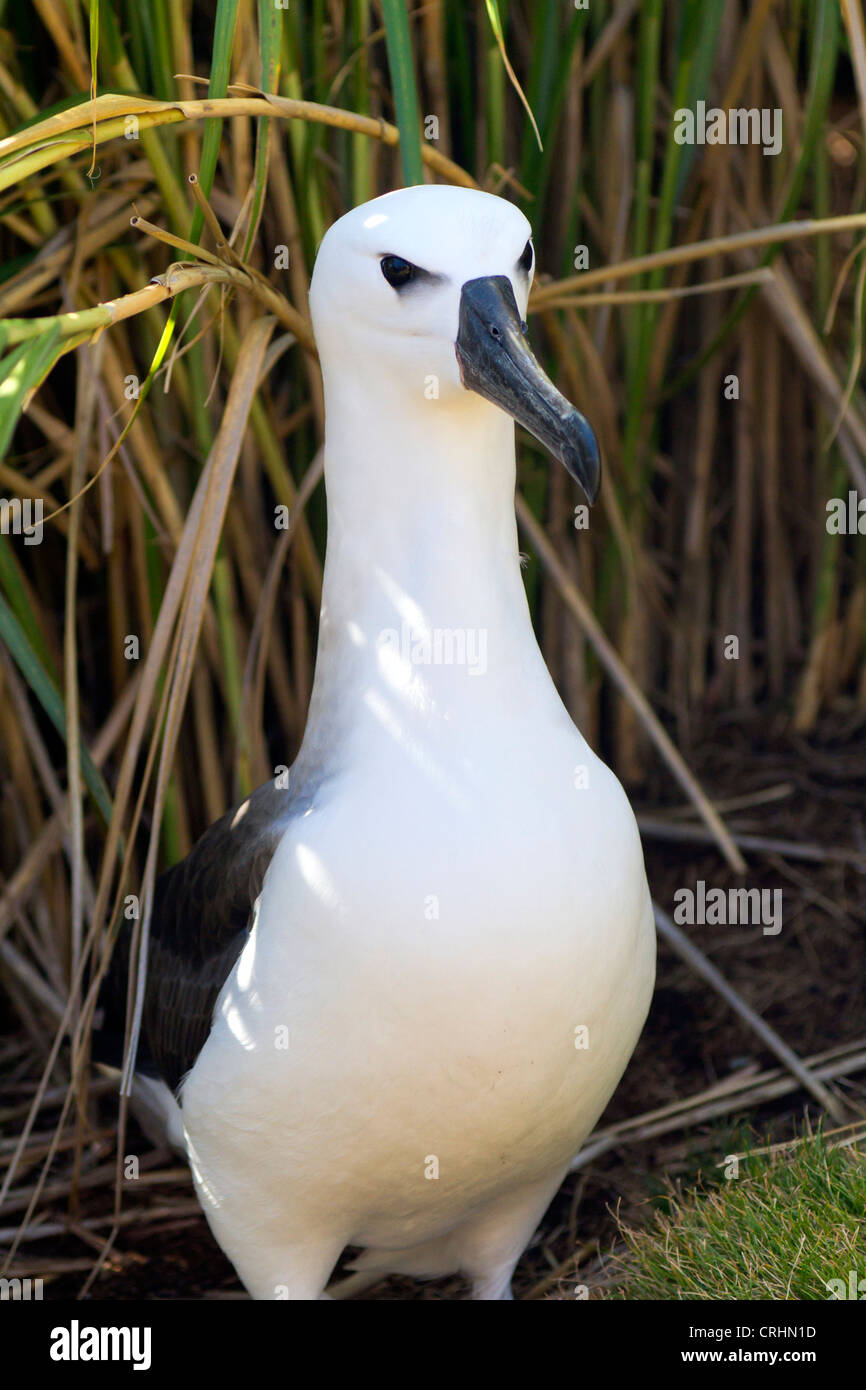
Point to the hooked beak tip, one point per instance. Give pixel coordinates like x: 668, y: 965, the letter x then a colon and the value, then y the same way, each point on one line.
x: 582, y: 458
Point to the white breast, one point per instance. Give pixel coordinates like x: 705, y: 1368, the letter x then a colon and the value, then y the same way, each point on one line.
x: 438, y: 973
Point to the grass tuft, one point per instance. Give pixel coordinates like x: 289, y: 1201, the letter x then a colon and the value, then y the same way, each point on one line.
x: 788, y: 1226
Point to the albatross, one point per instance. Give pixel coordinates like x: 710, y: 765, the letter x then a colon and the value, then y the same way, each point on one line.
x: 387, y: 1002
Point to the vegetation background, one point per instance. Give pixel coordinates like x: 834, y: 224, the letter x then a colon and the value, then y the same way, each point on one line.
x: 167, y: 171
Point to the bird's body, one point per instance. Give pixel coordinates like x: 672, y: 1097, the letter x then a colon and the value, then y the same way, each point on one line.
x: 399, y: 1072
x: 452, y: 952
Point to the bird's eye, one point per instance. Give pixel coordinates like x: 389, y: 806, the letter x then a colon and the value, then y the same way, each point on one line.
x: 397, y: 271
x: 525, y: 261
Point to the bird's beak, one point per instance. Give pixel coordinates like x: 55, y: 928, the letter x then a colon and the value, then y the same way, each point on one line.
x: 496, y: 361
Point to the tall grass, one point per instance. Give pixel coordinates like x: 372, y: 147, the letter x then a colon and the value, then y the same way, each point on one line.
x: 159, y: 390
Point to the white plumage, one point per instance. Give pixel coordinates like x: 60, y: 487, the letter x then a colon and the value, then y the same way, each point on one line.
x: 396, y: 1060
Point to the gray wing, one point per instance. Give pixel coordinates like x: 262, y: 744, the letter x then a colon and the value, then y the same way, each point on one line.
x: 200, y: 921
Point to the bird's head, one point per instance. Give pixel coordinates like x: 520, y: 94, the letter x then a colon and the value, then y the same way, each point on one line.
x: 428, y: 286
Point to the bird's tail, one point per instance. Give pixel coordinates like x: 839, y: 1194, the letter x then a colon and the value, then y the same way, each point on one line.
x: 154, y: 1106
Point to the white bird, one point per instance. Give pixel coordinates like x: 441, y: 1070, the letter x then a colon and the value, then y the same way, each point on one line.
x: 393, y: 999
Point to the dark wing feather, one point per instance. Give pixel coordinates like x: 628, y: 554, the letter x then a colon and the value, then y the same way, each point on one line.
x: 200, y: 921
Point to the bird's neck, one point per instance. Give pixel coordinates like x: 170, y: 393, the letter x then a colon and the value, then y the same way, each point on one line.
x: 420, y: 509
x: 423, y: 607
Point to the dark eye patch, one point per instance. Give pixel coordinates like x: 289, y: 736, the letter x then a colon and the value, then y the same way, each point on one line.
x: 526, y: 258
x: 399, y: 273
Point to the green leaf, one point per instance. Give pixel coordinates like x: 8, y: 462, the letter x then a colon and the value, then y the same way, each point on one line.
x: 223, y: 40
x: 496, y: 25
x: 14, y: 586
x: 402, y: 67
x: 94, y: 52
x: 270, y: 43
x: 21, y: 371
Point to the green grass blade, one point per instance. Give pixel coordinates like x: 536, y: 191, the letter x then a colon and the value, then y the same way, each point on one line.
x: 553, y: 78
x: 496, y: 25
x: 20, y: 372
x: 824, y: 48
x: 12, y: 583
x: 402, y: 67
x: 94, y: 54
x: 223, y: 40
x: 270, y: 41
